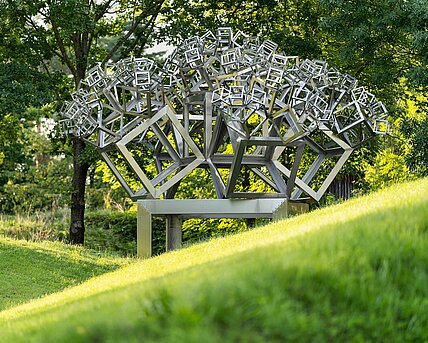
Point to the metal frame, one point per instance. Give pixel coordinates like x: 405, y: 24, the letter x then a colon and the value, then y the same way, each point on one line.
x: 176, y: 210
x: 218, y: 89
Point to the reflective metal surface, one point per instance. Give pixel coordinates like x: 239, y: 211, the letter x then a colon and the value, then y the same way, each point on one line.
x: 231, y: 104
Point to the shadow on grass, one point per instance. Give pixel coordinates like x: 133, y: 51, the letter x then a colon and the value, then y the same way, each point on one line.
x: 29, y: 271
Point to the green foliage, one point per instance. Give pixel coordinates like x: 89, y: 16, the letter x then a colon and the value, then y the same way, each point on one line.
x: 11, y: 147
x: 327, y: 200
x: 41, y: 188
x: 24, y: 91
x: 379, y: 42
x: 115, y: 231
x: 22, y: 86
x: 72, y: 33
x: 70, y: 36
x: 35, y: 226
x: 111, y: 231
x: 292, y: 24
x: 104, y: 197
x: 10, y: 125
x: 417, y: 131
x: 387, y: 169
x: 28, y: 197
x: 196, y: 230
x: 32, y: 270
x: 355, y: 271
x: 383, y: 43
x: 196, y: 185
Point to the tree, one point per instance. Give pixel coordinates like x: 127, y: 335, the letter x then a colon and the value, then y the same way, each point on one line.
x: 292, y: 24
x: 379, y: 42
x: 382, y: 43
x: 415, y: 127
x: 21, y: 86
x: 73, y: 33
x: 385, y: 45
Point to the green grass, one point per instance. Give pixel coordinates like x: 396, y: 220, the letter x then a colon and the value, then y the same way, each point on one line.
x: 37, y: 226
x: 357, y: 271
x: 31, y: 270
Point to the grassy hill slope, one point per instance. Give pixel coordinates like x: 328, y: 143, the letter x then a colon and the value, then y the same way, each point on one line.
x: 352, y: 272
x: 30, y: 270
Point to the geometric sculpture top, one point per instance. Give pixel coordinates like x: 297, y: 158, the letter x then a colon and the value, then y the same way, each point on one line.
x: 228, y: 103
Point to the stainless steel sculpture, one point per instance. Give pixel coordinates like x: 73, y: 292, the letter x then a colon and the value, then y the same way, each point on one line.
x: 225, y: 102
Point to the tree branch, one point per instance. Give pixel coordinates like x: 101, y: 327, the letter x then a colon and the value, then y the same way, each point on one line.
x: 101, y: 10
x: 157, y: 6
x: 61, y: 47
x: 37, y: 30
x: 147, y: 28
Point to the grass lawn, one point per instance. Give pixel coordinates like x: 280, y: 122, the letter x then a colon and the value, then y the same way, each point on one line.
x: 30, y: 270
x: 357, y: 271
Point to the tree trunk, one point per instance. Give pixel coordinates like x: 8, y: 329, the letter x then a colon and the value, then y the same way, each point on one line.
x: 77, y: 226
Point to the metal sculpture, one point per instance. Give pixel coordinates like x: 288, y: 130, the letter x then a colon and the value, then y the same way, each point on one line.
x: 225, y: 102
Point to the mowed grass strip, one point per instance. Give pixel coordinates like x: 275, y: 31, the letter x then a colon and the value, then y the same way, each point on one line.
x: 30, y: 270
x: 352, y: 272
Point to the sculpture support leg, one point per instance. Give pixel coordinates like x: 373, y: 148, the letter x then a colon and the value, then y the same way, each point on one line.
x: 144, y: 232
x: 173, y: 232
